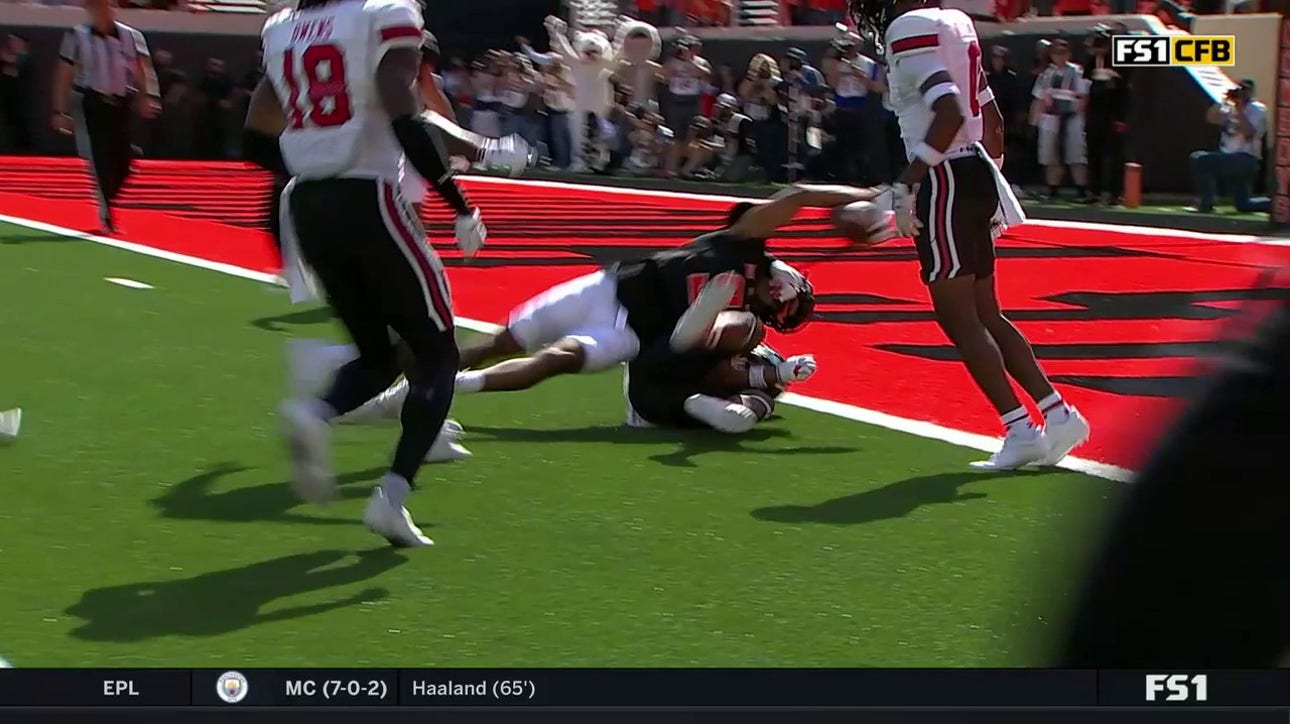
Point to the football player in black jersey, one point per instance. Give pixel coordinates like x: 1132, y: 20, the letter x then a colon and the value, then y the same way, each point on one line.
x: 699, y: 388
x: 605, y: 318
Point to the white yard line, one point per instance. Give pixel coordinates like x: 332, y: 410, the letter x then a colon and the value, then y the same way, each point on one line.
x: 828, y: 407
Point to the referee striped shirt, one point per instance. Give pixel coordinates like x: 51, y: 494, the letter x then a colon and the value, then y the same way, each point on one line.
x: 106, y: 63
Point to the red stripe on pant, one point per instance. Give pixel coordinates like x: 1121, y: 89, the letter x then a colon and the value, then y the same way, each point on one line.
x: 438, y: 299
x: 941, y: 222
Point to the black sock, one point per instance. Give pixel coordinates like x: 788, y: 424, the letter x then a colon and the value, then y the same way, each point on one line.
x: 1082, y: 191
x: 1052, y: 192
x: 359, y: 381
x: 425, y: 408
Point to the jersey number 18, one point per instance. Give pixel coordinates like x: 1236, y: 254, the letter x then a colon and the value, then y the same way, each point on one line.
x: 325, y: 101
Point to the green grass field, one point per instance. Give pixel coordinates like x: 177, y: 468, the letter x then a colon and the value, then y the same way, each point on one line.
x: 146, y: 520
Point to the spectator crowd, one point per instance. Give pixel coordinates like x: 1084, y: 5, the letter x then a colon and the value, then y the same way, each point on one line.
x: 614, y: 103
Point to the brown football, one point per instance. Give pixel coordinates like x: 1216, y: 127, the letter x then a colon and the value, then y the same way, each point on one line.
x: 863, y: 222
x: 735, y: 332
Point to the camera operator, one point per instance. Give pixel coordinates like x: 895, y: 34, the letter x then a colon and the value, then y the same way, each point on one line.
x: 1061, y: 96
x: 760, y: 93
x: 1240, y: 150
x: 1107, y: 120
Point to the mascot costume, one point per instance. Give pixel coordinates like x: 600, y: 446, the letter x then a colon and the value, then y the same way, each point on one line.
x: 638, y: 67
x: 590, y: 58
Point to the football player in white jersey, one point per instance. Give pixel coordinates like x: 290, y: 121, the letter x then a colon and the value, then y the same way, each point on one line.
x: 953, y: 201
x: 337, y: 112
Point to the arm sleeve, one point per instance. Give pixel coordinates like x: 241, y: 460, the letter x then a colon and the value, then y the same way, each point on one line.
x: 917, y: 69
x: 69, y: 50
x: 912, y: 36
x: 398, y: 25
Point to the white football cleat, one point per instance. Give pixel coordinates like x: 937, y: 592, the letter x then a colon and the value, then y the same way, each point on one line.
x: 696, y: 322
x: 10, y: 424
x: 308, y: 437
x: 719, y: 414
x: 1065, y: 433
x: 311, y: 364
x: 447, y: 447
x: 1025, y: 447
x: 385, y: 407
x: 393, y: 523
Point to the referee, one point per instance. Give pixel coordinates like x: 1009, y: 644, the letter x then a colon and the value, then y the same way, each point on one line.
x: 104, y: 64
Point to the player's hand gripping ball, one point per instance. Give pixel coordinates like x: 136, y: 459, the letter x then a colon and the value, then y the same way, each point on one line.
x: 864, y: 222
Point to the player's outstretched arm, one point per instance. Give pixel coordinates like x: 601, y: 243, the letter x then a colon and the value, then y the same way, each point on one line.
x: 396, y: 78
x: 265, y: 121
x: 763, y: 219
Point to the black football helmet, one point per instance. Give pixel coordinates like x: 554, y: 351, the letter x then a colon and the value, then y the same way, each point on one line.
x: 794, y: 314
x: 872, y: 17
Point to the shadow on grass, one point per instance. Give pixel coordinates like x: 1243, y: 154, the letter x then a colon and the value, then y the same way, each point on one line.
x: 894, y: 500
x: 690, y: 442
x: 193, y: 499
x: 224, y: 601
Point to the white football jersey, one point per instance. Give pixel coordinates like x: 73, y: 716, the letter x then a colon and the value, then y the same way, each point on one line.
x: 322, y: 63
x: 921, y: 43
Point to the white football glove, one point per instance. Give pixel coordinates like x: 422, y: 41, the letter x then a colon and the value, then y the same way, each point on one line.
x: 797, y: 368
x: 903, y: 201
x: 471, y: 233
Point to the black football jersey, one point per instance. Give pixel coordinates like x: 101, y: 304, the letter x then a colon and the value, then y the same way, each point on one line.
x: 657, y: 290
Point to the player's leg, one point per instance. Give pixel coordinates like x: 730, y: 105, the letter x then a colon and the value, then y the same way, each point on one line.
x: 415, y: 302
x: 326, y: 239
x: 1066, y: 428
x: 951, y: 203
x: 570, y: 328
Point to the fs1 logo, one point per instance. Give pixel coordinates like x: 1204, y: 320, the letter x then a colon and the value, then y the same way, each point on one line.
x: 1139, y: 51
x: 1178, y: 687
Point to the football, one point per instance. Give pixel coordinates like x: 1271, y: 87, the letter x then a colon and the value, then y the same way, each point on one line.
x: 736, y: 332
x: 863, y: 222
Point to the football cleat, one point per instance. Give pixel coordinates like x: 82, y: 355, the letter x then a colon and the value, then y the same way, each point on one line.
x: 719, y: 414
x: 1065, y: 431
x: 308, y: 437
x: 392, y: 523
x: 1024, y: 447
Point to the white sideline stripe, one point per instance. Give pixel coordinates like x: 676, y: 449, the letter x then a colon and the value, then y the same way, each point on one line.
x: 829, y: 407
x: 1051, y: 223
x: 127, y: 283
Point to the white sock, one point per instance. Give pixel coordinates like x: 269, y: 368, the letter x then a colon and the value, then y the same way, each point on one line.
x: 395, y: 488
x: 470, y: 381
x: 1017, y: 420
x: 1052, y: 405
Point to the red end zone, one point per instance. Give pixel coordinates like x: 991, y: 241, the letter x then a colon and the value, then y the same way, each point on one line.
x: 1118, y: 317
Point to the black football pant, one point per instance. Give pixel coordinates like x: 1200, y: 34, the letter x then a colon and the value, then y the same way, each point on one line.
x: 1195, y: 573
x: 380, y: 274
x: 103, y: 139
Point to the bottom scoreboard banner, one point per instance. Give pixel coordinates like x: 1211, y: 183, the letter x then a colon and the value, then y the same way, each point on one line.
x: 643, y: 688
